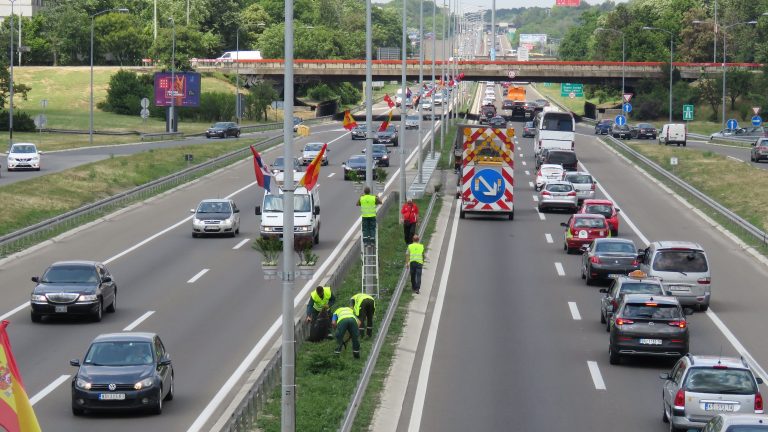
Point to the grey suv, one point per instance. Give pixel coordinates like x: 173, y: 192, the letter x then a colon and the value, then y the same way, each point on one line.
x: 684, y: 269
x: 700, y: 387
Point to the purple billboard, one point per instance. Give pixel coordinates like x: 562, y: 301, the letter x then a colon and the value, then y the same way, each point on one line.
x: 186, y: 89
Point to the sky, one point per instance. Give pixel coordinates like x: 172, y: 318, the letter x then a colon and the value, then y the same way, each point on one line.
x: 508, y: 4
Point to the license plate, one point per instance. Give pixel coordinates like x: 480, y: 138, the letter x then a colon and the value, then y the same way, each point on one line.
x: 650, y: 341
x: 112, y: 396
x: 61, y: 309
x: 679, y: 288
x: 615, y: 275
x: 719, y: 407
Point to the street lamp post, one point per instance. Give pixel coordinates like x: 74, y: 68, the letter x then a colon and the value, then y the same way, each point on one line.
x: 434, y: 86
x: 368, y: 96
x: 403, y: 108
x: 93, y: 18
x: 10, y: 87
x: 237, y: 76
x: 172, y: 110
x: 421, y: 84
x: 671, y: 57
x: 623, y: 59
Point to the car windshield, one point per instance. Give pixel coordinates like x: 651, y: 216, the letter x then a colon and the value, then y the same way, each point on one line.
x: 720, y: 381
x: 357, y: 160
x: 557, y: 122
x: 379, y: 149
x: 614, y: 246
x: 651, y: 310
x: 561, y: 157
x: 412, y: 118
x: 529, y: 124
x: 214, y: 207
x: 558, y: 187
x: 70, y: 274
x: 579, y: 178
x: 23, y: 148
x: 645, y: 126
x: 621, y: 127
x: 313, y: 147
x: 119, y: 353
x: 641, y: 288
x: 688, y: 261
x: 601, y: 209
x: 220, y: 125
x: 606, y: 122
x: 274, y: 203
x: 391, y: 129
x: 589, y: 223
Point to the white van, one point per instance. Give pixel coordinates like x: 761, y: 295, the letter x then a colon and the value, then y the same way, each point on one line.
x: 554, y: 130
x: 306, y: 214
x: 230, y: 56
x: 673, y: 133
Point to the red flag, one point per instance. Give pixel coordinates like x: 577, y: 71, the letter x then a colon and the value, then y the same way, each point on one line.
x: 313, y: 170
x: 389, y: 101
x: 349, y: 122
x: 385, y: 124
x: 16, y: 414
x: 263, y: 176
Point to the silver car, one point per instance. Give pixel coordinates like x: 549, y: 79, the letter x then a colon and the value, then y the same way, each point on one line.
x: 215, y: 216
x: 700, y: 387
x: 583, y: 182
x: 737, y: 422
x: 684, y: 269
x: 412, y: 121
x: 558, y: 195
x: 310, y: 152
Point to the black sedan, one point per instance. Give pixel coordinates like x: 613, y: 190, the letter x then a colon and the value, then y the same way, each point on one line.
x: 123, y: 371
x: 644, y: 130
x: 223, y: 130
x: 380, y: 155
x: 359, y: 132
x: 647, y: 325
x: 529, y: 130
x: 621, y: 131
x: 603, y: 127
x: 498, y: 122
x: 354, y: 168
x: 83, y: 288
x: 387, y: 136
x: 608, y: 256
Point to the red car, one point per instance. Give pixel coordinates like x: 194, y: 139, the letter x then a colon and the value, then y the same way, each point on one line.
x: 582, y: 229
x: 605, y: 208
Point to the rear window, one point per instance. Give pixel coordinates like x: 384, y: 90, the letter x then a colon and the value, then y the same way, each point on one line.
x: 651, y: 311
x: 589, y: 223
x: 561, y: 122
x: 559, y: 188
x: 680, y: 261
x: 579, y: 178
x: 600, y: 209
x: 641, y: 288
x: 552, y: 170
x: 561, y: 157
x: 747, y: 428
x: 722, y: 381
x: 612, y: 246
x: 507, y: 105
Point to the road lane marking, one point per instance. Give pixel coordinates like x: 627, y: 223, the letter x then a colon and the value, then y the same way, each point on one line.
x: 734, y: 158
x: 48, y: 389
x: 198, y: 276
x: 548, y: 236
x: 429, y: 348
x: 331, y: 175
x: 597, y: 378
x: 541, y: 215
x: 535, y: 198
x: 527, y: 172
x: 560, y: 269
x: 524, y: 163
x: 239, y: 245
x: 574, y: 311
x: 530, y: 184
x: 138, y: 321
x: 521, y: 155
x: 15, y: 310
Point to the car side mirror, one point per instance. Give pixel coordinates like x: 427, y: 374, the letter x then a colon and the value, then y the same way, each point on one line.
x: 563, y: 224
x: 237, y: 210
x: 363, y: 150
x: 317, y: 210
x: 759, y: 380
x: 687, y: 311
x: 40, y: 153
x: 107, y: 279
x: 664, y: 375
x: 257, y: 210
x: 618, y: 210
x: 165, y: 360
x: 74, y: 362
x: 604, y: 290
x: 344, y: 165
x: 36, y: 279
x: 191, y: 210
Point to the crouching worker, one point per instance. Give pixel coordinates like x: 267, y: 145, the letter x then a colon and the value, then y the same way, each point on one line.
x: 344, y: 321
x: 364, y: 306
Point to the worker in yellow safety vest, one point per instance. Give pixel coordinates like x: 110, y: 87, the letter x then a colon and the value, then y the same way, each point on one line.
x: 414, y: 257
x: 344, y: 321
x: 367, y: 204
x: 322, y: 298
x: 364, y: 306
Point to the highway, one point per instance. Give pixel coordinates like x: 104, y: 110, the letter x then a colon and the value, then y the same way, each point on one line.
x: 206, y: 298
x: 519, y: 345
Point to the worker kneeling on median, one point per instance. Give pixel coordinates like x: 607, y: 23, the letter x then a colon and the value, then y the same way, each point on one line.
x: 364, y: 306
x: 344, y: 321
x: 322, y: 298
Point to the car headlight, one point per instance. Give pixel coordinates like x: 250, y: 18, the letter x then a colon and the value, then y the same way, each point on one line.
x: 227, y: 221
x: 11, y: 159
x: 87, y: 298
x: 385, y: 157
x: 306, y: 228
x: 83, y: 384
x: 267, y: 229
x: 39, y: 298
x: 147, y: 382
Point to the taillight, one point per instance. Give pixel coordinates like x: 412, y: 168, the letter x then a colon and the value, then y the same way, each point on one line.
x: 593, y: 186
x: 680, y: 323
x: 704, y: 281
x: 546, y: 193
x: 623, y: 321
x: 680, y: 399
x: 572, y: 193
x: 595, y: 260
x: 635, y: 263
x: 758, y: 403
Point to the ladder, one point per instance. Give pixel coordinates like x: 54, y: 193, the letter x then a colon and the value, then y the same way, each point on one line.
x: 370, y: 271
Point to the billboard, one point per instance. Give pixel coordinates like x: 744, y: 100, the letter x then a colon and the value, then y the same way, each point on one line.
x: 571, y: 3
x: 186, y: 89
x: 528, y: 38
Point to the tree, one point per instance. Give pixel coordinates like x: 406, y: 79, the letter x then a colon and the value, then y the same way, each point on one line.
x: 259, y: 97
x: 67, y: 29
x: 739, y: 83
x: 19, y: 89
x: 126, y: 88
x: 121, y: 37
x: 253, y: 20
x: 190, y: 43
x: 709, y: 92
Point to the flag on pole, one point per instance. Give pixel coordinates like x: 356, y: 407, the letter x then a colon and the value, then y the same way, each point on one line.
x: 450, y: 83
x: 407, y: 92
x: 385, y: 124
x: 349, y: 121
x: 16, y: 414
x: 263, y: 176
x: 389, y: 101
x: 309, y: 180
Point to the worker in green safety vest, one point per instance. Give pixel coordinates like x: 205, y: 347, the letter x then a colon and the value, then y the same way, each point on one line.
x: 320, y: 299
x: 414, y: 258
x: 367, y: 204
x: 364, y: 306
x: 345, y: 321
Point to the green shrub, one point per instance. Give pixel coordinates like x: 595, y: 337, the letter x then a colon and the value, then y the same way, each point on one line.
x: 214, y: 106
x: 321, y: 92
x: 22, y: 122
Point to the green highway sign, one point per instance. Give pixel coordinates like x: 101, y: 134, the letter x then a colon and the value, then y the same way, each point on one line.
x: 568, y: 88
x: 687, y: 112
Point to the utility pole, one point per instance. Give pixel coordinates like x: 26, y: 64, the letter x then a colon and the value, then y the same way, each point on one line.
x: 10, y: 87
x: 421, y: 85
x: 368, y: 96
x: 434, y: 85
x: 403, y: 109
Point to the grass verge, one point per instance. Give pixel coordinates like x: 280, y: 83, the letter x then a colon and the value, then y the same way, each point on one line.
x: 325, y: 382
x: 718, y: 177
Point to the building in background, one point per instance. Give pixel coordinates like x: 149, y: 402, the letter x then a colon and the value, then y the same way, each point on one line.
x: 25, y: 8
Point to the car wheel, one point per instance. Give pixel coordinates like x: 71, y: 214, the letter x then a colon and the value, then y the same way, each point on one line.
x: 77, y: 412
x: 316, y: 237
x: 704, y: 308
x: 158, y: 408
x: 613, y: 357
x: 113, y: 307
x: 607, y: 325
x: 602, y: 317
x: 36, y: 317
x: 462, y: 214
x: 653, y: 137
x: 194, y: 235
x: 233, y: 233
x: 614, y: 233
x: 672, y: 428
x: 169, y: 396
x: 664, y: 417
x: 587, y: 279
x: 99, y: 312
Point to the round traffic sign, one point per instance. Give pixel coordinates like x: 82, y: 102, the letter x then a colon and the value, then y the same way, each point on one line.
x: 487, y: 186
x: 572, y: 95
x: 757, y: 120
x: 40, y: 121
x: 732, y: 124
x: 511, y: 74
x: 144, y: 103
x: 627, y: 107
x: 620, y: 120
x: 144, y: 113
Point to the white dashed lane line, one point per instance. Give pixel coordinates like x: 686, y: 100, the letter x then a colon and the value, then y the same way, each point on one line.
x: 535, y: 198
x: 239, y: 245
x: 49, y: 388
x: 524, y: 163
x: 331, y: 175
x: 548, y: 236
x: 527, y: 172
x: 138, y: 321
x: 597, y: 378
x: 574, y: 311
x: 198, y: 276
x: 560, y: 269
x: 530, y: 184
x: 541, y: 215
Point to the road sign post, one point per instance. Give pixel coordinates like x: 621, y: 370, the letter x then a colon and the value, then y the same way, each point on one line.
x: 620, y: 120
x: 567, y: 88
x: 626, y: 107
x: 687, y: 112
x: 757, y: 121
x: 732, y: 124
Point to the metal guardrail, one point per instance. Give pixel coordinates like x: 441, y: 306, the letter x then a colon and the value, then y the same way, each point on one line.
x: 726, y: 139
x: 756, y: 232
x: 40, y: 231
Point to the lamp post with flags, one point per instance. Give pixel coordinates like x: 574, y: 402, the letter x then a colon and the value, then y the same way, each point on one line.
x: 403, y: 107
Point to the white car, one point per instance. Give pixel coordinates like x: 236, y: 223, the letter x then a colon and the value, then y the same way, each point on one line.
x: 547, y: 173
x: 426, y: 105
x: 487, y: 101
x: 24, y: 156
x: 310, y: 152
x: 215, y: 216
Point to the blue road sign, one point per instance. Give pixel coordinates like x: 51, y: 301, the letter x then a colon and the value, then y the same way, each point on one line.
x: 620, y: 120
x: 757, y: 120
x: 732, y: 124
x: 627, y: 107
x: 487, y: 186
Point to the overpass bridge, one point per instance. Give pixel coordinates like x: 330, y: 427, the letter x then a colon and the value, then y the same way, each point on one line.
x: 474, y: 70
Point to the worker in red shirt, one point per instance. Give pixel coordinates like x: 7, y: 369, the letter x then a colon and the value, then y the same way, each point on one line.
x: 409, y: 216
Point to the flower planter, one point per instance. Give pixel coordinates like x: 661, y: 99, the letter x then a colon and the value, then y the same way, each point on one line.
x: 305, y: 271
x: 269, y: 270
x: 358, y: 187
x: 380, y: 187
